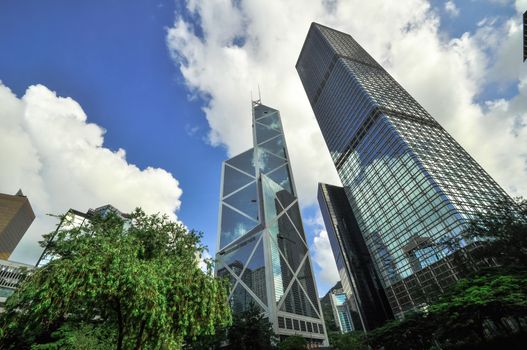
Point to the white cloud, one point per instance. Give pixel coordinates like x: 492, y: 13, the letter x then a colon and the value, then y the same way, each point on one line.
x: 204, y: 260
x: 48, y: 149
x: 451, y: 9
x: 321, y: 252
x: 520, y: 5
x: 323, y: 257
x: 257, y: 42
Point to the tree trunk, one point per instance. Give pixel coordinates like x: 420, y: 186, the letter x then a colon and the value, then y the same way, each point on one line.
x: 139, y: 339
x: 120, y: 326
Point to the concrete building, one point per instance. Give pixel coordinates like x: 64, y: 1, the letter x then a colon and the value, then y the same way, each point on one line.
x: 16, y: 215
x: 11, y: 275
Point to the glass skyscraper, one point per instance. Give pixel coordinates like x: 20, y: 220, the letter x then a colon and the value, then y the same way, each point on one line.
x: 262, y: 247
x: 410, y: 185
x: 360, y: 283
x: 341, y: 311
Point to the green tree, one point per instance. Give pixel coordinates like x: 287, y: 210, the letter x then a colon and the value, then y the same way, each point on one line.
x: 348, y: 341
x: 463, y: 315
x: 140, y: 278
x: 476, y: 312
x: 250, y: 330
x: 503, y: 229
x: 80, y: 336
x: 293, y: 342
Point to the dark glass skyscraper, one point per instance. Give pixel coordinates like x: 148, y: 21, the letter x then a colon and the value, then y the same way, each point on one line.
x: 262, y: 247
x: 410, y: 185
x: 360, y: 282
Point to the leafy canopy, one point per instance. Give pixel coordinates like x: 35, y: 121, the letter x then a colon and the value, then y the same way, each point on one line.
x: 293, y: 342
x: 251, y: 330
x: 140, y: 278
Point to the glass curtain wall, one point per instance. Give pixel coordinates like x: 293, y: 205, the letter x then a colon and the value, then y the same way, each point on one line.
x: 410, y: 185
x: 262, y: 249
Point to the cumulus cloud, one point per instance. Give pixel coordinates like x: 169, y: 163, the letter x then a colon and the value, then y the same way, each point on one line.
x: 321, y: 252
x: 50, y: 151
x: 451, y: 9
x: 245, y: 43
x: 237, y: 45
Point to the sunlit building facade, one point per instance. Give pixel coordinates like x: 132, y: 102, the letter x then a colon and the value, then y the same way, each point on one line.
x: 16, y: 215
x: 410, y: 185
x: 262, y: 247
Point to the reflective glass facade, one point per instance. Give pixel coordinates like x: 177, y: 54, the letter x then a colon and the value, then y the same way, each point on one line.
x: 360, y: 283
x: 409, y: 183
x: 262, y: 247
x: 341, y: 310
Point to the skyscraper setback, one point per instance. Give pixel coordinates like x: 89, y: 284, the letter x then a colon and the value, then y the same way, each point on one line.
x: 262, y: 247
x: 410, y: 185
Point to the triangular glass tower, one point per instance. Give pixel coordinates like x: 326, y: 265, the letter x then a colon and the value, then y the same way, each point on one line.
x: 262, y: 247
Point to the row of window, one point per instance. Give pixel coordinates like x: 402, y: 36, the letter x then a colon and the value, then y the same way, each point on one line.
x: 300, y: 325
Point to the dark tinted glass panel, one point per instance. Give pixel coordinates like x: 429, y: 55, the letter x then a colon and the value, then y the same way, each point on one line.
x: 236, y: 257
x: 241, y: 300
x: 233, y: 180
x: 254, y: 275
x: 262, y: 111
x: 288, y: 323
x: 244, y: 162
x: 305, y: 278
x: 282, y: 177
x: 275, y: 146
x: 264, y: 133
x: 222, y: 272
x: 282, y: 275
x: 272, y: 121
x: 290, y: 244
x: 245, y: 200
x: 294, y: 215
x: 272, y: 206
x: 296, y: 302
x: 303, y: 326
x: 233, y: 225
x: 268, y: 162
x: 281, y: 323
x: 296, y: 325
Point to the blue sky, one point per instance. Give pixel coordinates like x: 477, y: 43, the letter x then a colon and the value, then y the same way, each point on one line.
x: 112, y: 59
x: 169, y: 82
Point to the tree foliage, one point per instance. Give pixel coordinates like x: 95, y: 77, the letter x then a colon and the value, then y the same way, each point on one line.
x: 503, y: 229
x: 484, y: 310
x: 355, y: 340
x: 80, y: 336
x: 140, y: 278
x: 251, y: 330
x: 474, y: 312
x: 293, y: 342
